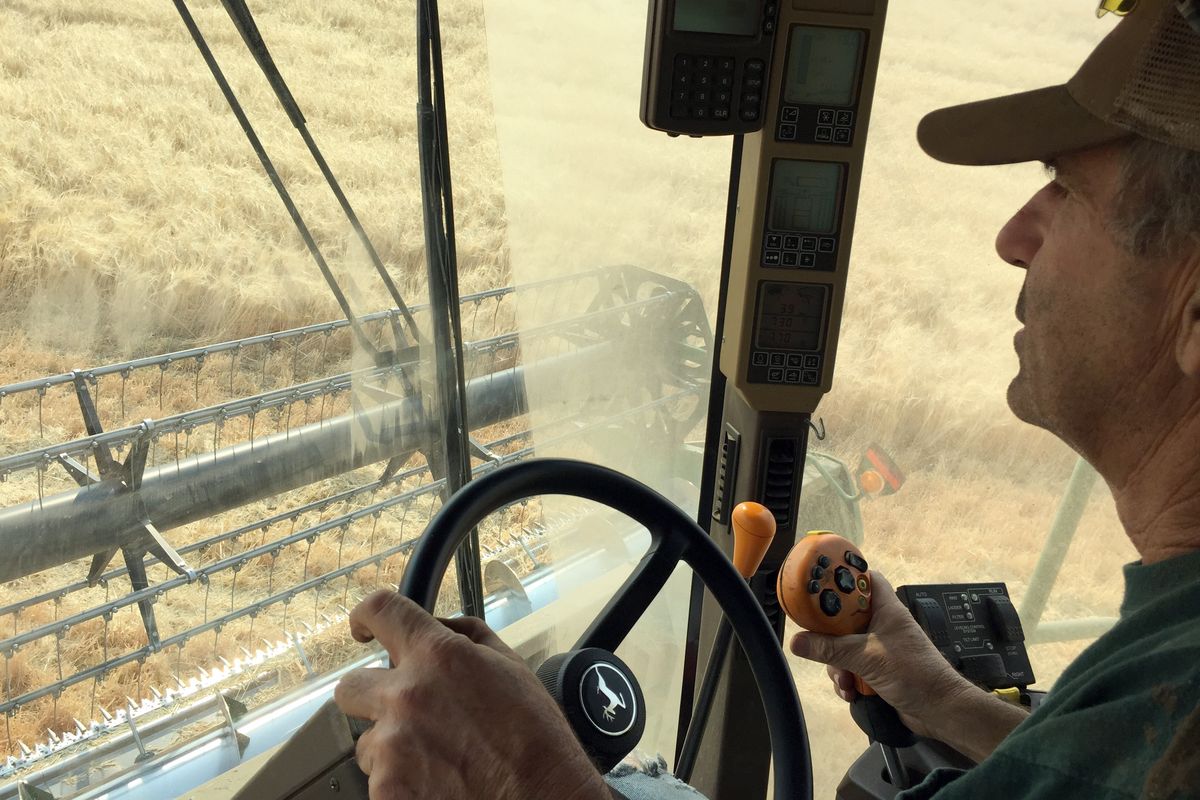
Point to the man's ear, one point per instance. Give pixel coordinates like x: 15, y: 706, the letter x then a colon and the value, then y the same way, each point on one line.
x: 1187, y: 348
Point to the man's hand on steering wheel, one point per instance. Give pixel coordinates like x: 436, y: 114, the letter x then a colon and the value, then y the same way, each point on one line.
x: 459, y: 716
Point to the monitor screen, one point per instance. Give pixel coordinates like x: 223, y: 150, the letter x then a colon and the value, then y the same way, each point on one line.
x: 805, y: 196
x: 730, y: 17
x: 822, y: 66
x: 790, y: 316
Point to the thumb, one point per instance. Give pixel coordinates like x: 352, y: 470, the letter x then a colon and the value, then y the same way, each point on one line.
x: 844, y: 652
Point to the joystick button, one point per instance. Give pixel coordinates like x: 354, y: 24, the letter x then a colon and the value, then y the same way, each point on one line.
x: 831, y: 604
x: 818, y: 572
x: 823, y: 561
x: 844, y: 580
x: 856, y: 561
x: 814, y: 587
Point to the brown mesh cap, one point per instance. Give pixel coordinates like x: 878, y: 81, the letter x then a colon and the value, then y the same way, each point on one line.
x: 1143, y: 78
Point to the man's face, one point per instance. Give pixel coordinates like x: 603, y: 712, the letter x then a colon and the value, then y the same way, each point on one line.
x: 1093, y: 314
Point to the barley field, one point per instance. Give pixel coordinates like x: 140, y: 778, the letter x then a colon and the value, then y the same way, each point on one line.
x: 135, y: 220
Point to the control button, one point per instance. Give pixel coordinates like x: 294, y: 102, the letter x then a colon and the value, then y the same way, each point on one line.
x: 699, y: 113
x: 726, y: 65
x: 841, y: 135
x: 970, y: 616
x: 814, y: 587
x: 769, y: 26
x: 986, y: 670
x: 754, y: 84
x: 826, y: 245
x: 704, y: 80
x: 810, y: 377
x: 793, y: 376
x: 808, y: 259
x: 863, y: 584
x: 812, y: 362
x: 755, y: 66
x: 791, y: 242
x: 704, y: 62
x: 790, y: 259
x: 759, y: 359
x: 787, y: 132
x: 844, y: 580
x: 798, y: 361
x: 720, y: 113
x: 818, y: 572
x: 831, y: 604
x: 932, y: 619
x: 775, y: 375
x: 774, y: 241
x: 862, y: 602
x: 769, y: 9
x: 825, y: 116
x: 725, y: 81
x: 845, y: 118
x: 751, y: 99
x: 856, y: 561
x: 700, y: 96
x: 974, y: 597
x: 824, y: 134
x: 749, y: 114
x: 823, y: 561
x: 1004, y: 618
x: 771, y: 258
x: 723, y: 97
x: 778, y: 359
x: 809, y: 244
x: 683, y: 61
x: 791, y: 114
x: 683, y: 79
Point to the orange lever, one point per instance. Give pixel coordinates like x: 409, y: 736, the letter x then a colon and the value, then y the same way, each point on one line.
x: 753, y: 530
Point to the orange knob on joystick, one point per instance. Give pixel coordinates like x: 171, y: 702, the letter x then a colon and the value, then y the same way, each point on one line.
x: 753, y: 530
x: 824, y: 587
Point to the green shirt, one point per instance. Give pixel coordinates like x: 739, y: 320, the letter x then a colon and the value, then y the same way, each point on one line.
x: 1123, y: 720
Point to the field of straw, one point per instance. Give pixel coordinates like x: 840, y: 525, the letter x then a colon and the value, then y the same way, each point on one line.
x: 135, y: 219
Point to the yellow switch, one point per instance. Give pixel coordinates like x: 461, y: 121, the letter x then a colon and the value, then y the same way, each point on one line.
x: 1012, y: 695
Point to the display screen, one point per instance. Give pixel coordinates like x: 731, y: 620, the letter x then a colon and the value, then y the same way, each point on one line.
x: 731, y: 17
x: 805, y: 196
x: 790, y: 316
x: 822, y: 66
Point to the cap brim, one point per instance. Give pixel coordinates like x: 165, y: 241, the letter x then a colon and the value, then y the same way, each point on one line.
x: 1031, y: 126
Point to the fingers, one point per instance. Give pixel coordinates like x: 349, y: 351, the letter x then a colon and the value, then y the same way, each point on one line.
x: 840, y: 651
x: 478, y: 632
x: 843, y: 683
x: 390, y: 618
x: 361, y: 693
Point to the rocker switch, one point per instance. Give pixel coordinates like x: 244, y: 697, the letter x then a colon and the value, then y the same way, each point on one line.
x: 1004, y: 618
x: 932, y: 618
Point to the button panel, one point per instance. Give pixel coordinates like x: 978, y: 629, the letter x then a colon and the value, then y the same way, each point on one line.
x: 798, y: 251
x: 805, y: 124
x: 788, y: 369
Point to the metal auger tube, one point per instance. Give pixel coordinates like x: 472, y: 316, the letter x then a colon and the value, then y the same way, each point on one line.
x: 64, y: 527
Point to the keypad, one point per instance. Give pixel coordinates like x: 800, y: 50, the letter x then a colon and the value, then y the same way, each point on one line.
x: 813, y: 124
x: 795, y: 251
x: 701, y: 86
x: 793, y: 369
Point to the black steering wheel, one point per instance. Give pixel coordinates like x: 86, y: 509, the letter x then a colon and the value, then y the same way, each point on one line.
x: 674, y: 537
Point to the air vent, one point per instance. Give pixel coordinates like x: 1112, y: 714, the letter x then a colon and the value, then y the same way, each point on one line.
x: 779, y: 480
x: 726, y: 475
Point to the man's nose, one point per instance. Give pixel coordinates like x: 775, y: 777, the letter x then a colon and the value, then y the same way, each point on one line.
x: 1021, y: 237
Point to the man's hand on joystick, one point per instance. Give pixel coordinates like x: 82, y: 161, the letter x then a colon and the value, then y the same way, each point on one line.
x: 894, y: 657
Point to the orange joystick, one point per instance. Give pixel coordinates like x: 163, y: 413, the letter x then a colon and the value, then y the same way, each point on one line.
x: 824, y: 587
x: 753, y: 530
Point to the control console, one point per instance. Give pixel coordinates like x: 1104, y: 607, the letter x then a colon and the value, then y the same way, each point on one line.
x: 976, y: 627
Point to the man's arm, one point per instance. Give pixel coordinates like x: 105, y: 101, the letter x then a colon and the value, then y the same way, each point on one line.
x: 458, y: 715
x: 898, y: 661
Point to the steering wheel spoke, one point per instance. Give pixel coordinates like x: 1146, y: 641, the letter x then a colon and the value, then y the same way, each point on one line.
x: 644, y: 584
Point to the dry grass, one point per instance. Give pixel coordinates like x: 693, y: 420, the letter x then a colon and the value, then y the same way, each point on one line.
x: 134, y: 219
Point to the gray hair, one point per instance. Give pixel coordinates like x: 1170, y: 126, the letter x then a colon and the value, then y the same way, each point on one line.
x: 1156, y: 210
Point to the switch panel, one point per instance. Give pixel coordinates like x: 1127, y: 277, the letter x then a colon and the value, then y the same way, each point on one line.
x: 977, y: 629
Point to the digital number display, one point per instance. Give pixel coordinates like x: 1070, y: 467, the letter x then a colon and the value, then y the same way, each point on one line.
x: 790, y: 316
x: 822, y: 66
x: 805, y: 196
x: 730, y: 17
